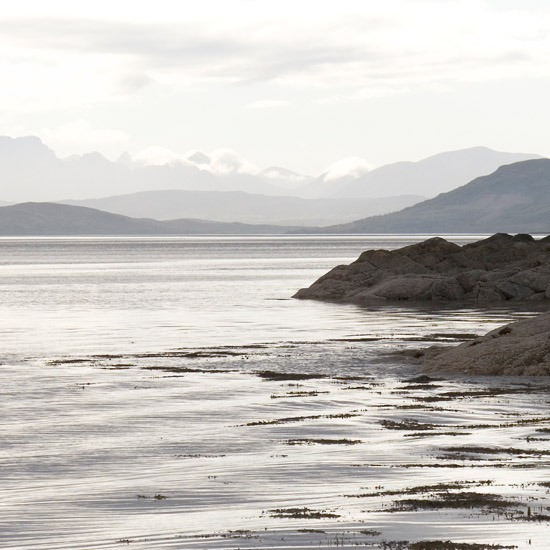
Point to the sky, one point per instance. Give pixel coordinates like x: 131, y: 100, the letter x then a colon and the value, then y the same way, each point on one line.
x: 302, y: 84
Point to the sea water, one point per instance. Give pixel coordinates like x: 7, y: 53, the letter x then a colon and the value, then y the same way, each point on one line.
x: 144, y: 401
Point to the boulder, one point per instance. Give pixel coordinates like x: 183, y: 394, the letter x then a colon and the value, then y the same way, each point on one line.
x: 500, y: 268
x: 518, y: 349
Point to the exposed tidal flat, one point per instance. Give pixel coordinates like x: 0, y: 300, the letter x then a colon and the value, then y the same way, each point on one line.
x: 167, y: 393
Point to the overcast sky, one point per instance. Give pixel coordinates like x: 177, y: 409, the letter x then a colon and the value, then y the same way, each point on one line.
x: 300, y: 83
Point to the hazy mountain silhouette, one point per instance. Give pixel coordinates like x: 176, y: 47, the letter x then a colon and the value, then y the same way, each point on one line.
x: 514, y: 199
x: 38, y: 219
x: 428, y: 177
x: 244, y: 207
x: 31, y: 171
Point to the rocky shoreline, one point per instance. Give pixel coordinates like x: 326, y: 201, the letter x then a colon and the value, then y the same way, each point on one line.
x: 517, y: 349
x: 502, y: 268
x: 498, y: 269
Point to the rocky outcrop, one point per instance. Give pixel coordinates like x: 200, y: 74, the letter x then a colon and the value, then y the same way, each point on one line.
x: 520, y: 348
x: 500, y: 268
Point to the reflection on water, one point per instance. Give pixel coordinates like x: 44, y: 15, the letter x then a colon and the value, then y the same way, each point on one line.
x: 71, y: 295
x: 167, y: 393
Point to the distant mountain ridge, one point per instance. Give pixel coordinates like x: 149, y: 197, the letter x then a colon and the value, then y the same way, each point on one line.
x: 230, y: 206
x: 428, y: 177
x: 50, y: 219
x: 30, y: 171
x: 514, y: 199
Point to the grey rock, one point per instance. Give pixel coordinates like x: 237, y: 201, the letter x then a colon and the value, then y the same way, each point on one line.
x: 469, y: 279
x: 518, y: 349
x: 500, y: 268
x: 403, y: 288
x: 447, y: 289
x: 513, y: 291
x: 534, y: 279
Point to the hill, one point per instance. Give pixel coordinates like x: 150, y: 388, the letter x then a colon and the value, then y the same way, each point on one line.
x: 229, y: 206
x: 514, y: 199
x: 43, y: 219
x: 428, y: 177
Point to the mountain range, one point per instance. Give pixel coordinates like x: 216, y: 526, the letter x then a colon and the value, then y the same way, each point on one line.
x: 230, y: 206
x: 514, y: 199
x: 31, y: 171
x: 50, y: 219
x: 431, y: 176
x: 190, y: 190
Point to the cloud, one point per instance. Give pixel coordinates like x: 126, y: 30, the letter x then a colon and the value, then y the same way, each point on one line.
x: 81, y: 134
x: 136, y: 81
x: 355, y: 51
x: 279, y: 175
x: 158, y: 156
x: 267, y: 104
x: 351, y: 167
x: 364, y: 45
x: 373, y: 93
x: 226, y: 161
x: 219, y: 162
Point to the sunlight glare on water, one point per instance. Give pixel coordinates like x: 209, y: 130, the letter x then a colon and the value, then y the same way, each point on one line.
x: 98, y: 295
x: 169, y: 393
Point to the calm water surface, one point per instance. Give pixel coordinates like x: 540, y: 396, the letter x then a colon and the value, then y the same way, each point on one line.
x: 60, y: 296
x: 140, y: 367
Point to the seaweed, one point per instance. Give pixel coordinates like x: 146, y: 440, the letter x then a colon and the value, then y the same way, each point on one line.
x: 448, y: 545
x: 302, y: 513
x: 272, y: 375
x: 464, y: 500
x: 322, y: 441
x: 407, y: 425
